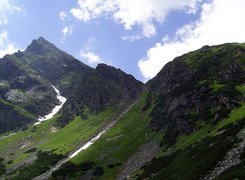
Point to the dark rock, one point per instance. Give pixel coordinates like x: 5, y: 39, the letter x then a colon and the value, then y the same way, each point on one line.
x: 183, y: 88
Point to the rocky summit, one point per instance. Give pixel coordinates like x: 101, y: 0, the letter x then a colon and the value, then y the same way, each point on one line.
x: 188, y: 122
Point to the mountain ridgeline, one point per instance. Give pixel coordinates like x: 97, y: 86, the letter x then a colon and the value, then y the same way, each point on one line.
x: 26, y: 92
x: 188, y: 122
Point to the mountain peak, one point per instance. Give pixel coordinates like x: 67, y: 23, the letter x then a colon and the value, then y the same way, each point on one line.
x: 42, y: 40
x: 41, y: 46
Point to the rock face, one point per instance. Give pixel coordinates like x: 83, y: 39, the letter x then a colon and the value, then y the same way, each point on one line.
x: 200, y: 85
x: 232, y: 158
x: 25, y: 79
x: 144, y: 155
x: 11, y: 118
x: 22, y: 88
x: 99, y: 88
x: 54, y: 65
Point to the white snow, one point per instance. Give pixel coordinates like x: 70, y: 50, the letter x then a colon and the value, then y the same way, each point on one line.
x: 88, y: 144
x: 56, y: 108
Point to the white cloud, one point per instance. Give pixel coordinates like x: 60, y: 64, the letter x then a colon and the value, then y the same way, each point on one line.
x: 221, y: 21
x: 5, y: 46
x: 7, y: 7
x: 132, y: 38
x: 91, y: 57
x: 67, y: 31
x: 130, y: 13
x: 63, y: 15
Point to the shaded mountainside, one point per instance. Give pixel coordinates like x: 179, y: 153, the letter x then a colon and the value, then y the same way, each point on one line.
x: 199, y: 111
x: 201, y: 85
x: 194, y: 109
x: 186, y: 123
x: 25, y: 79
x: 51, y: 63
x: 97, y: 89
x: 24, y: 95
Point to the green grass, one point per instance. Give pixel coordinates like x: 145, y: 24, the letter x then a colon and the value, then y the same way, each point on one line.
x: 19, y: 109
x: 215, y: 86
x: 186, y: 140
x: 234, y: 116
x: 193, y: 155
x: 116, y: 145
x: 43, y: 163
x: 202, y: 82
x: 41, y: 137
x: 76, y: 133
x: 241, y: 88
x: 11, y: 146
x: 191, y: 163
x: 205, y: 130
x: 196, y: 160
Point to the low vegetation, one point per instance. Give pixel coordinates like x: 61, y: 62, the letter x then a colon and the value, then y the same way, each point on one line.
x: 194, y: 155
x: 2, y: 167
x: 116, y: 145
x: 43, y: 163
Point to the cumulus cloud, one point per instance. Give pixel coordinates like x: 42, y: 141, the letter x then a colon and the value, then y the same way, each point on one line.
x: 91, y: 57
x: 6, y: 47
x: 7, y: 7
x: 221, y: 21
x: 130, y: 13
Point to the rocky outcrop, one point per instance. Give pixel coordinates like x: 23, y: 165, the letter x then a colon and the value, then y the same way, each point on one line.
x: 97, y: 89
x: 145, y: 154
x: 11, y: 118
x: 200, y: 85
x: 232, y: 158
x: 51, y: 63
x: 25, y: 79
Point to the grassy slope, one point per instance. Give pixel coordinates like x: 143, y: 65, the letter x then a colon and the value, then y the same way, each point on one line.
x: 77, y: 132
x: 193, y: 155
x: 207, y: 129
x: 61, y: 142
x: 116, y: 145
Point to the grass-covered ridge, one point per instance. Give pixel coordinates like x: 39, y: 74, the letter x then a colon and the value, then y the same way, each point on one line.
x: 215, y: 56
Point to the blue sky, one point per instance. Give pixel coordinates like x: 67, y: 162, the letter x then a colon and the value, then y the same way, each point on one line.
x: 138, y: 36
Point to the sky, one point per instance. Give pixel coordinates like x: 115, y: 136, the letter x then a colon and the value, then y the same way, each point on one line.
x: 137, y: 36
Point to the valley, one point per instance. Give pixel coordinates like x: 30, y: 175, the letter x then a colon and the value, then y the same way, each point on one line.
x: 61, y: 119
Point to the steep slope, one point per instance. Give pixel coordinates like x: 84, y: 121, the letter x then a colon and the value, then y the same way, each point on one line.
x: 95, y: 97
x: 51, y: 63
x: 83, y: 86
x: 201, y: 85
x: 26, y: 77
x: 188, y: 123
x: 95, y: 90
x: 199, y: 108
x: 193, y: 108
x: 24, y: 95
